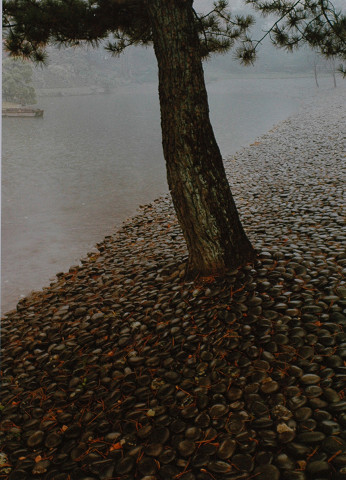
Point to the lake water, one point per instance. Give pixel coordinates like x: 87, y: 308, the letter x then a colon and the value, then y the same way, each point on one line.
x: 70, y: 178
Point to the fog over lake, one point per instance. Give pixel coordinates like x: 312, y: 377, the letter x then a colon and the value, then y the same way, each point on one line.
x: 70, y: 178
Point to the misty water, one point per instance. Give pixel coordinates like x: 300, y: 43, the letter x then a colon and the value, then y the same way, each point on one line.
x: 70, y: 178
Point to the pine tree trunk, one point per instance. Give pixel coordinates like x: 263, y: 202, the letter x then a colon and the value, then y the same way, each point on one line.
x: 196, y: 177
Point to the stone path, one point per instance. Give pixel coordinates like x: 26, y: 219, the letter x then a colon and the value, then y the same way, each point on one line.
x: 120, y: 370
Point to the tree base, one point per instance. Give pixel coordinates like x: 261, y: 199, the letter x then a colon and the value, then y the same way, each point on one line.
x: 194, y: 272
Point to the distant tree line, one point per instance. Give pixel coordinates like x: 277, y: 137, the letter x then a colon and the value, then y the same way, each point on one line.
x: 17, y: 82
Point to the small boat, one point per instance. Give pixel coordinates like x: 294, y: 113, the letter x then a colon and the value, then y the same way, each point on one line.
x: 21, y: 112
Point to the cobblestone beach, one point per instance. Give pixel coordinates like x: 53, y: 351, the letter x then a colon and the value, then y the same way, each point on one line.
x: 121, y: 370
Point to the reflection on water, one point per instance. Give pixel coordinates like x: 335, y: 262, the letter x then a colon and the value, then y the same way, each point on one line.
x: 72, y: 176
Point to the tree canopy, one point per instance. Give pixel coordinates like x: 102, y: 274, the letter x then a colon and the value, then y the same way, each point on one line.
x: 32, y: 24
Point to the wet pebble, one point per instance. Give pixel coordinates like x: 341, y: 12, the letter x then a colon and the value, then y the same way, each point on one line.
x: 35, y: 439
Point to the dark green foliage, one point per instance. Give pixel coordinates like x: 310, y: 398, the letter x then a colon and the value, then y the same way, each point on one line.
x: 32, y: 24
x: 315, y: 22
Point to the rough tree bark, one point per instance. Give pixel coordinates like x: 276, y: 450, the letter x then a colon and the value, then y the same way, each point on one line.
x: 196, y: 177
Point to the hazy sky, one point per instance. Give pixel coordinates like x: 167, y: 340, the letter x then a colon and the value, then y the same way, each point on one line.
x: 204, y: 5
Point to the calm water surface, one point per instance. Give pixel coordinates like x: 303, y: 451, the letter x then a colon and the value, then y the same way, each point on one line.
x: 71, y: 177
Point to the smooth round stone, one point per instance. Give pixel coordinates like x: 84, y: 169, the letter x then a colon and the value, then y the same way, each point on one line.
x: 60, y: 458
x: 188, y: 476
x: 226, y: 449
x: 177, y: 426
x: 313, y: 391
x: 199, y: 460
x: 135, y: 361
x: 269, y: 387
x: 342, y: 419
x: 243, y: 462
x: 330, y: 427
x: 318, y: 468
x: 125, y: 465
x: 202, y: 401
x: 147, y: 466
x: 35, y: 439
x: 263, y: 458
x: 193, y: 433
x: 168, y: 472
x: 292, y: 391
x: 18, y: 475
x: 253, y: 301
x: 281, y: 339
x: 153, y: 449
x: 262, y: 422
x: 270, y: 314
x: 341, y: 292
x: 327, y: 382
x: 112, y: 437
x: 310, y: 438
x: 159, y: 435
x: 295, y: 371
x: 318, y: 403
x: 218, y: 410
x: 293, y: 475
x: 297, y: 402
x: 172, y: 377
x: 334, y: 361
x: 190, y: 412
x: 167, y: 456
x: 234, y: 394
x: 331, y: 395
x: 218, y: 466
x: 309, y: 424
x: 340, y: 460
x: 260, y: 408
x: 53, y: 440
x: 298, y: 450
x: 207, y: 356
x: 258, y: 376
x: 202, y: 420
x: 152, y: 361
x: 310, y: 379
x: 267, y: 472
x: 303, y: 413
x: 207, y: 449
x: 306, y: 352
x: 73, y: 431
x: 235, y: 426
x: 262, y: 365
x: 186, y: 447
x: 124, y: 340
x: 134, y: 451
x: 165, y: 390
x: 144, y: 432
x: 284, y: 462
x: 334, y: 444
x: 338, y: 406
x: 163, y: 420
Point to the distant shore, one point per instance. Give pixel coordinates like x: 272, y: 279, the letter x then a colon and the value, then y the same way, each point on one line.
x: 97, y: 90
